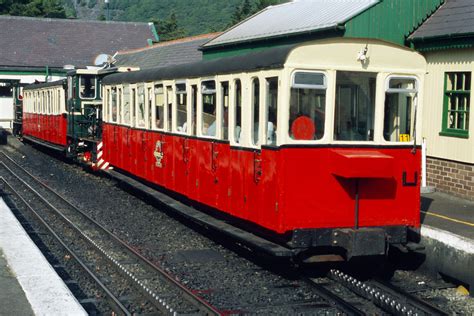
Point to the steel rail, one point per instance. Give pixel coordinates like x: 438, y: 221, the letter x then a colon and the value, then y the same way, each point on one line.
x: 200, y: 303
x: 390, y: 299
x: 333, y: 299
x: 158, y: 302
x: 115, y: 302
x: 410, y: 298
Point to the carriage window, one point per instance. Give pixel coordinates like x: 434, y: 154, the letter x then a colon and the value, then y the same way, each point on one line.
x: 159, y: 106
x: 141, y: 106
x: 126, y: 105
x: 119, y: 104
x: 225, y: 110
x: 255, y: 110
x: 59, y: 102
x: 181, y: 108
x: 149, y: 111
x: 169, y: 103
x: 307, y: 106
x: 87, y: 86
x: 133, y: 105
x: 113, y: 103
x: 355, y: 106
x: 238, y: 111
x: 208, y: 91
x: 398, y: 121
x: 271, y: 108
x: 48, y: 102
x: 43, y: 105
x: 193, y: 109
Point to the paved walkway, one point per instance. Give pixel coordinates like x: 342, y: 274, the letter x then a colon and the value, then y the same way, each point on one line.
x: 28, y: 283
x: 12, y: 298
x: 448, y: 213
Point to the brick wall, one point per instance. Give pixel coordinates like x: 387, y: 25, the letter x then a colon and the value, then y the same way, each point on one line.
x: 451, y: 177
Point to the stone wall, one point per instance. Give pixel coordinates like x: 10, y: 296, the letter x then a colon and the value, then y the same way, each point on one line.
x: 451, y: 177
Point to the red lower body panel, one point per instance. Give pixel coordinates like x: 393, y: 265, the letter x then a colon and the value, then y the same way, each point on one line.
x: 280, y: 189
x: 48, y: 128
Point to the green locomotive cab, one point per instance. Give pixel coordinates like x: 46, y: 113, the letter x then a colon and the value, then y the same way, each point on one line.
x: 84, y: 111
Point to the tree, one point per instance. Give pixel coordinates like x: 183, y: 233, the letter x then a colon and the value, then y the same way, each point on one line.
x: 246, y: 9
x: 38, y: 8
x: 169, y: 29
x: 241, y: 12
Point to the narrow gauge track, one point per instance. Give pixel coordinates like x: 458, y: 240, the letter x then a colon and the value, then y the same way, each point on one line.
x: 332, y: 300
x: 160, y: 293
x: 113, y: 301
x: 389, y: 298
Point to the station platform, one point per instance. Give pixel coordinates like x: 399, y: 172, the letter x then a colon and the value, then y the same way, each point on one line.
x: 447, y: 232
x: 448, y: 213
x: 28, y: 283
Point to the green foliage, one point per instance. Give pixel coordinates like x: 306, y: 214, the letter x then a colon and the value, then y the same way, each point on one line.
x: 173, y: 18
x: 247, y: 9
x: 168, y: 29
x: 38, y: 8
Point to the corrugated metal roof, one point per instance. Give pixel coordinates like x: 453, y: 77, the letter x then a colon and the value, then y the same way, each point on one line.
x: 294, y: 17
x: 455, y: 17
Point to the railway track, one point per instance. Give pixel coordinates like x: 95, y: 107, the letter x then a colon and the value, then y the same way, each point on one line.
x: 385, y: 296
x: 337, y: 293
x: 101, y: 254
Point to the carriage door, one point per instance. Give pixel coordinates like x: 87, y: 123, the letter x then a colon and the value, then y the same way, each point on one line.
x: 181, y: 140
x: 192, y: 163
x: 254, y: 174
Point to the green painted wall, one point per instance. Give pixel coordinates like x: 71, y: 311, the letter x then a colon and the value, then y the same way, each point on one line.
x: 391, y: 20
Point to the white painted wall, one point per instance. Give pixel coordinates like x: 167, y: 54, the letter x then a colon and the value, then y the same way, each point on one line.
x: 446, y: 147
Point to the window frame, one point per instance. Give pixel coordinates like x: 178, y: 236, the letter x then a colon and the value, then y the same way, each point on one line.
x: 122, y: 112
x: 416, y: 107
x: 266, y: 109
x: 253, y: 97
x: 445, y: 130
x: 95, y: 87
x: 139, y: 86
x: 329, y: 112
x: 174, y: 116
x: 220, y: 107
x: 233, y: 110
x: 200, y: 108
x: 155, y: 89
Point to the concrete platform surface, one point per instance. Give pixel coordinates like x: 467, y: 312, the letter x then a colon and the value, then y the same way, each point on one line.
x: 447, y: 233
x: 448, y: 213
x: 37, y: 290
x: 11, y: 292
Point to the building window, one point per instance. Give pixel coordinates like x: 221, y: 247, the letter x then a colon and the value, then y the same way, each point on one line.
x: 457, y: 96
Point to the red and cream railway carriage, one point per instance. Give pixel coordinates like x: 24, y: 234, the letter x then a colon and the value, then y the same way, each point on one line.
x: 66, y: 115
x: 315, y: 144
x: 44, y: 113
